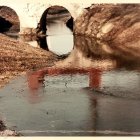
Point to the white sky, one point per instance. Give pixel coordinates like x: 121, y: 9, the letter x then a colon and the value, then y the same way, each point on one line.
x: 72, y: 1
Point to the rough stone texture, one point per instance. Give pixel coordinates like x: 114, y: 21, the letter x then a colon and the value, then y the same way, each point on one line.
x: 91, y: 48
x: 28, y: 31
x: 31, y: 11
x: 10, y: 15
x: 119, y: 23
x: 17, y: 57
x: 6, y: 133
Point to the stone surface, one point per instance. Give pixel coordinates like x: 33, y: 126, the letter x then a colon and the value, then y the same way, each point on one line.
x: 119, y: 23
x: 31, y: 11
x: 6, y: 133
x: 18, y: 57
x: 10, y: 15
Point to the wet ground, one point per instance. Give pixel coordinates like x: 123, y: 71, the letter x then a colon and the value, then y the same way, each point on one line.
x: 92, y: 92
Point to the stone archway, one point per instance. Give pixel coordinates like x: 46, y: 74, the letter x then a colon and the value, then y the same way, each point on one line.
x: 9, y: 20
x: 53, y: 10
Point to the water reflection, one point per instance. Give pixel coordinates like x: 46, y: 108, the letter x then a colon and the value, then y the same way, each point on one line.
x: 102, y: 65
x: 36, y: 87
x: 36, y: 79
x: 104, y: 52
x: 62, y: 89
x: 88, y: 52
x: 80, y: 96
x: 73, y: 109
x: 95, y: 79
x: 59, y: 38
x: 119, y: 84
x: 93, y: 91
x: 60, y: 44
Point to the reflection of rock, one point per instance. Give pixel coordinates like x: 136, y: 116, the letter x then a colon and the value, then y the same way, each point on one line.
x: 118, y: 23
x: 101, y: 51
x: 42, y: 42
x: 91, y: 48
x: 28, y: 38
x: 87, y: 53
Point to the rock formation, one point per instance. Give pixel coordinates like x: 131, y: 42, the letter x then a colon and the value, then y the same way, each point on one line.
x: 118, y: 24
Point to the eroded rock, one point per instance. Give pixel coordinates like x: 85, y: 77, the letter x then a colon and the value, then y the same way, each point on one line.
x: 5, y: 132
x: 119, y: 23
x: 9, y: 133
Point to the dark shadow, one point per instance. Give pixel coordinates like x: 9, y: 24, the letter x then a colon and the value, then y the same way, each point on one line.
x: 42, y: 42
x: 2, y: 126
x: 42, y: 25
x: 4, y: 25
x: 70, y: 23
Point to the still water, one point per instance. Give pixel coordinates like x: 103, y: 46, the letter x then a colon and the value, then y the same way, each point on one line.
x: 94, y: 91
x: 59, y: 39
x: 73, y: 102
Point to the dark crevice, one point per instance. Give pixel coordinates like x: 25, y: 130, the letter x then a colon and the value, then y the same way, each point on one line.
x: 5, y: 25
x: 69, y: 23
x: 42, y: 42
x: 2, y: 126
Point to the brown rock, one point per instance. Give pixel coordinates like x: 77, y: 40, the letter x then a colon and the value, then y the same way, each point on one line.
x: 110, y: 22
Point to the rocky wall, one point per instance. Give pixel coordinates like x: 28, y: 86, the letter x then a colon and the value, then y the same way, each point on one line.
x: 115, y: 23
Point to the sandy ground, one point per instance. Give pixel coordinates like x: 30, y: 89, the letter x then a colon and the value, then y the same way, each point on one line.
x: 17, y: 57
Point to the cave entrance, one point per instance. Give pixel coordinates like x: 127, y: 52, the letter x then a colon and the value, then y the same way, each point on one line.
x: 56, y: 24
x: 53, y: 13
x: 9, y: 21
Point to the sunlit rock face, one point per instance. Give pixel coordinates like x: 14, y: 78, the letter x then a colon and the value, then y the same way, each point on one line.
x: 119, y: 24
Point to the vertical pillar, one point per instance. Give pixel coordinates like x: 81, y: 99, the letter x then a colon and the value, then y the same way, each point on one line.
x: 95, y: 78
